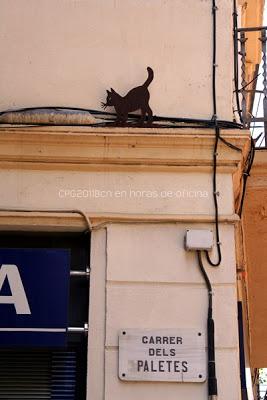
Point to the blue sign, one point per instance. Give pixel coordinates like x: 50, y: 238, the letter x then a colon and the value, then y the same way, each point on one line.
x: 34, y: 297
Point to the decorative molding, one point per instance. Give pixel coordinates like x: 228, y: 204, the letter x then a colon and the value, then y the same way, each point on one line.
x: 258, y: 175
x: 48, y: 221
x: 63, y: 146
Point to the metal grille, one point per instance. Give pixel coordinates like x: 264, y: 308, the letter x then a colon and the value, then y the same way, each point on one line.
x: 37, y: 375
x: 63, y: 376
x: 248, y: 90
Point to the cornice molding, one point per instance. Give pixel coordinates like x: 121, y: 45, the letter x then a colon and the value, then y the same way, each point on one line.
x: 260, y: 162
x: 258, y: 175
x: 64, y: 146
x: 48, y: 221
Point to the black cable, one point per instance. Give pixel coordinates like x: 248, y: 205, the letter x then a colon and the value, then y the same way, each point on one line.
x: 251, y: 155
x: 107, y: 123
x: 217, y: 137
x: 214, y: 65
x: 212, y: 380
x: 53, y: 108
x: 246, y: 174
x: 204, y: 122
x: 207, y: 281
x: 236, y: 67
x: 252, y: 80
x: 215, y: 195
x: 230, y: 144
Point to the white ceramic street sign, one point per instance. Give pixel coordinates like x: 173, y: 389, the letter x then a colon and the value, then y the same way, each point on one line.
x: 175, y: 355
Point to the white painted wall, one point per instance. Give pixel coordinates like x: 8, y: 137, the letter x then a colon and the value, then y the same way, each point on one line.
x: 68, y: 52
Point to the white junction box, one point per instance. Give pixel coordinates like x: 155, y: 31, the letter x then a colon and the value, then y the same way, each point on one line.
x: 198, y: 239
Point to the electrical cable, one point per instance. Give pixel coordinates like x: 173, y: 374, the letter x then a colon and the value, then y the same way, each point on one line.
x: 261, y: 140
x: 236, y: 67
x: 206, y: 123
x: 215, y: 195
x: 246, y: 174
x: 230, y: 145
x: 244, y: 87
x: 217, y: 136
x: 212, y: 380
x: 214, y: 60
x: 257, y: 110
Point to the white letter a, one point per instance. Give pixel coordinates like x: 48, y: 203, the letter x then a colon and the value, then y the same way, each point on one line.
x: 18, y: 297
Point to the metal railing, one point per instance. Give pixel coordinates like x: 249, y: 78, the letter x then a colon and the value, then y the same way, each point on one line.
x: 253, y: 92
x: 262, y: 392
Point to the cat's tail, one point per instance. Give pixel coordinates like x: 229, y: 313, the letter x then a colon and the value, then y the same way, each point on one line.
x: 150, y: 77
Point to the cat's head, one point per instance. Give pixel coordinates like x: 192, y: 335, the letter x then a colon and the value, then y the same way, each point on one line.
x: 111, y: 99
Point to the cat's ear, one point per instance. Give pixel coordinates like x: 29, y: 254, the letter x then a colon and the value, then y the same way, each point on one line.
x: 112, y: 90
x: 108, y: 92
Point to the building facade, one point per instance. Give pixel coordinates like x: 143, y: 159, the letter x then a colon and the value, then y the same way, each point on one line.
x: 121, y: 199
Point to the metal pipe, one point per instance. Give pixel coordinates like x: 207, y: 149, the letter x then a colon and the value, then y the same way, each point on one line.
x: 236, y: 60
x: 263, y: 40
x: 81, y: 329
x: 260, y: 119
x: 253, y: 91
x: 255, y: 29
x: 85, y: 273
x: 243, y: 40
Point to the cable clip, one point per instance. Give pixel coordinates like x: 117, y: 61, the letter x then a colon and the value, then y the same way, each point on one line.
x: 216, y: 193
x: 246, y: 173
x: 215, y: 8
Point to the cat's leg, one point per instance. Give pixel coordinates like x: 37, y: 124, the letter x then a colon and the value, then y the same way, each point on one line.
x: 143, y: 115
x: 119, y: 120
x: 150, y: 115
x: 119, y: 113
x: 124, y: 118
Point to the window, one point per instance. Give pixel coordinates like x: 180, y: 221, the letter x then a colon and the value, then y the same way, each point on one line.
x: 51, y: 373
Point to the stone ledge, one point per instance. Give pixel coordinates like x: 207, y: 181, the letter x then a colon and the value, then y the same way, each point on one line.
x: 119, y: 146
x: 49, y: 221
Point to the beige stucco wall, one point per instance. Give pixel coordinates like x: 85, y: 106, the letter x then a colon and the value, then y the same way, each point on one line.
x: 145, y: 280
x: 141, y: 276
x: 68, y: 52
x: 116, y: 192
